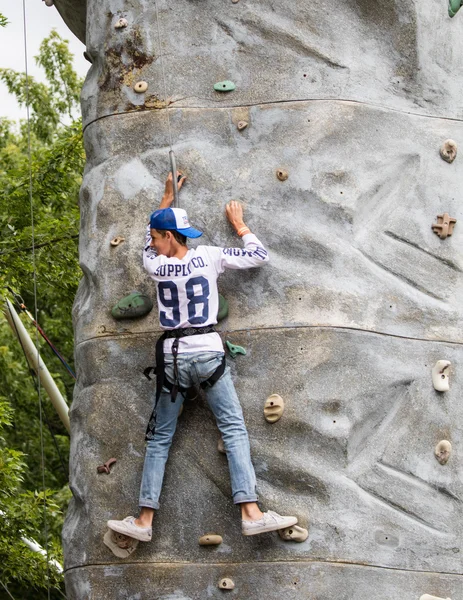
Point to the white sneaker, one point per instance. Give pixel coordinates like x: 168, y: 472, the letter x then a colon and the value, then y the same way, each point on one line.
x: 127, y: 527
x: 271, y: 521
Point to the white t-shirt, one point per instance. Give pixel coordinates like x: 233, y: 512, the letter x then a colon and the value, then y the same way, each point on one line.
x: 187, y: 288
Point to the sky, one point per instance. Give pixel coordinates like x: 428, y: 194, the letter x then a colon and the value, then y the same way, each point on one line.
x: 40, y: 20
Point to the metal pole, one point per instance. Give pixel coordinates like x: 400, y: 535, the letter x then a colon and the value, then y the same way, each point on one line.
x: 173, y: 168
x: 37, y: 364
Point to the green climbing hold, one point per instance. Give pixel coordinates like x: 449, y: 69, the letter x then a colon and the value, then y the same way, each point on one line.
x: 223, y: 308
x: 224, y: 86
x: 132, y: 306
x: 454, y: 7
x: 235, y: 350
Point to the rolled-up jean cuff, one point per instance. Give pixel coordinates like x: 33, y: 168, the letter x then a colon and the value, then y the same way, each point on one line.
x: 149, y: 504
x: 240, y: 499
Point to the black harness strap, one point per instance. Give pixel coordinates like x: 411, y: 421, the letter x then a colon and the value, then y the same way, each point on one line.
x: 159, y: 370
x: 161, y: 379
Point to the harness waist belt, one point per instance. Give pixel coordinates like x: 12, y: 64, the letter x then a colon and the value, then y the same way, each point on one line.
x: 160, y: 365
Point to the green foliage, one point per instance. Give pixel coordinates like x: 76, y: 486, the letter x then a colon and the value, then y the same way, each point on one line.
x: 51, y: 173
x: 51, y: 102
x: 20, y: 512
x: 3, y: 21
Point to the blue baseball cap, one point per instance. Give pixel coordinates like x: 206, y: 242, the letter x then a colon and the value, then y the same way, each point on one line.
x: 174, y: 219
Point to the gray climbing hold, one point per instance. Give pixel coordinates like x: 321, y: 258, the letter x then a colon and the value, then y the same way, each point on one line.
x: 120, y: 545
x: 226, y: 584
x: 132, y: 306
x: 140, y: 87
x: 448, y: 151
x: 440, y: 375
x: 224, y: 86
x: 223, y: 308
x: 210, y: 539
x: 282, y: 174
x: 234, y: 349
x: 442, y: 451
x: 242, y: 125
x: 49, y: 2
x: 293, y: 534
x: 117, y: 240
x: 121, y: 23
x: 221, y: 446
x: 273, y: 408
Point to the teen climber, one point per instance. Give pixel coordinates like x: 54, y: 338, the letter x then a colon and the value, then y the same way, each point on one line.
x: 190, y: 353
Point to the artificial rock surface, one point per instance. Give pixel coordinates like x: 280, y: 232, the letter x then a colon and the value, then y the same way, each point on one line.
x: 358, y: 303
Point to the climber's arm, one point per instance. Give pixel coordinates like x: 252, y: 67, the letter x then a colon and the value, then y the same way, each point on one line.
x: 252, y: 255
x: 149, y: 253
x: 168, y: 196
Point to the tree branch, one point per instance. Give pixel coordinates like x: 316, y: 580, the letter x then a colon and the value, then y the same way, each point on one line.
x: 67, y: 237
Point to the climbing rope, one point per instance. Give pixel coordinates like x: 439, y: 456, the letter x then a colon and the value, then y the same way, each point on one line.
x: 6, y: 590
x: 39, y: 389
x: 173, y: 163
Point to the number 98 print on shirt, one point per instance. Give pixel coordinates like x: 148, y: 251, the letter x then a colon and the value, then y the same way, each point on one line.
x: 187, y: 288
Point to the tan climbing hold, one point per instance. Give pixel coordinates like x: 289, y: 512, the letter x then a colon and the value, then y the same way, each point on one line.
x: 429, y: 597
x: 444, y: 226
x: 242, y: 125
x: 49, y: 2
x: 274, y: 407
x: 226, y: 584
x: 293, y: 534
x: 282, y: 174
x: 117, y: 240
x: 120, y: 545
x: 210, y: 539
x: 443, y: 451
x: 448, y: 151
x: 121, y: 23
x: 140, y: 87
x: 235, y: 1
x: 221, y: 446
x: 440, y: 375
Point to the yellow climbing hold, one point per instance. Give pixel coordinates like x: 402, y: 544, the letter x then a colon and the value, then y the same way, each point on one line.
x: 274, y: 407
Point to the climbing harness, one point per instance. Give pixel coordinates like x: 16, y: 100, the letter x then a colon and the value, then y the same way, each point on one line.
x: 159, y: 370
x: 161, y: 380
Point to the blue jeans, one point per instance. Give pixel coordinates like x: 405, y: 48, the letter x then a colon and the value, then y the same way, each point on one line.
x: 193, y: 369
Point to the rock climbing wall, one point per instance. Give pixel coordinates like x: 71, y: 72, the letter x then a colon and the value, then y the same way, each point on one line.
x: 352, y: 100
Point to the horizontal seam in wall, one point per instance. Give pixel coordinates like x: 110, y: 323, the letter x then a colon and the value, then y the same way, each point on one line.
x: 230, y: 107
x: 263, y: 563
x: 282, y: 328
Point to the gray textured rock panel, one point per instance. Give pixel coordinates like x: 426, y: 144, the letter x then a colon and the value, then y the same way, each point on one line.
x: 74, y: 14
x: 352, y: 456
x: 354, y: 102
x: 295, y: 581
x: 349, y: 232
x: 402, y: 55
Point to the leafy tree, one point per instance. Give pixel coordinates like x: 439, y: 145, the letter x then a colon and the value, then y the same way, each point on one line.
x: 56, y: 162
